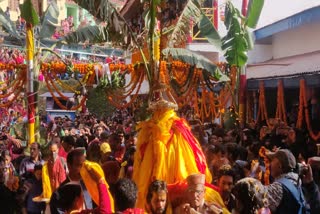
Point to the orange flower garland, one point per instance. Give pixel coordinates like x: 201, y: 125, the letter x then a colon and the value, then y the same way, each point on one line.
x: 129, y: 92
x: 180, y: 71
x: 210, y: 103
x: 10, y: 66
x: 57, y: 101
x: 303, y: 108
x: 16, y: 86
x: 262, y: 111
x: 83, y: 68
x: 281, y: 110
x: 163, y: 72
x: 133, y: 98
x: 263, y: 153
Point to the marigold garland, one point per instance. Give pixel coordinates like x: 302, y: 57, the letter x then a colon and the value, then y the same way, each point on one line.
x: 250, y: 106
x: 210, y: 103
x: 20, y: 72
x: 281, y: 110
x: 133, y: 98
x: 129, y: 92
x: 17, y: 93
x: 163, y: 72
x: 263, y: 153
x: 57, y: 101
x: 56, y: 76
x: 303, y: 108
x: 180, y: 71
x: 262, y: 111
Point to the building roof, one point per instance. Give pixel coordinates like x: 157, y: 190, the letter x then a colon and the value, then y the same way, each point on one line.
x: 263, y: 35
x: 308, y: 63
x: 48, y: 94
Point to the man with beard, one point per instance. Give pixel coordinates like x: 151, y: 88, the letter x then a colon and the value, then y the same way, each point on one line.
x: 157, y: 197
x: 225, y: 184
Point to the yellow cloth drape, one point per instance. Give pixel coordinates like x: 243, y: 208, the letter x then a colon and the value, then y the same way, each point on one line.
x: 46, y: 185
x: 163, y: 153
x: 91, y: 184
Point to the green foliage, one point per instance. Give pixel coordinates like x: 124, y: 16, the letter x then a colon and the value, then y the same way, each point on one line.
x: 91, y: 34
x: 8, y: 25
x: 230, y: 119
x: 116, y: 31
x: 115, y: 82
x: 98, y: 103
x: 28, y: 13
x: 235, y: 43
x: 239, y: 39
x: 209, y: 32
x: 142, y: 113
x: 49, y: 21
x: 194, y: 59
x: 100, y: 9
x: 211, y: 72
x: 192, y: 11
x: 254, y: 11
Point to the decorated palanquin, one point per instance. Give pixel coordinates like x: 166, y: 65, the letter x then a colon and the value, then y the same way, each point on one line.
x: 167, y: 150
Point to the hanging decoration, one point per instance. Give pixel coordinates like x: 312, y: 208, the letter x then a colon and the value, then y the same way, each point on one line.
x: 281, y: 109
x: 190, y: 85
x: 303, y: 114
x: 262, y: 111
x: 250, y: 107
x: 13, y: 84
x: 263, y: 154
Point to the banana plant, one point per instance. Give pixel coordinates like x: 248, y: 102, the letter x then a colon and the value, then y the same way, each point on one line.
x: 234, y: 45
x: 152, y: 14
x: 192, y: 11
x: 48, y: 24
x: 9, y: 25
x: 239, y: 39
x: 115, y: 29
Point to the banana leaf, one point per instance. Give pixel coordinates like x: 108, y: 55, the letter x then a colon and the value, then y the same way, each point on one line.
x: 209, y: 32
x: 196, y: 60
x: 191, y: 12
x: 91, y: 34
x: 9, y: 25
x: 100, y: 9
x: 235, y: 43
x: 50, y: 21
x: 28, y: 13
x: 249, y: 36
x: 254, y: 12
x: 119, y: 32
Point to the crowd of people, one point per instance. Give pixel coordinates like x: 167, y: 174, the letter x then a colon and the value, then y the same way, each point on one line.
x: 66, y: 26
x: 238, y: 168
x: 11, y: 56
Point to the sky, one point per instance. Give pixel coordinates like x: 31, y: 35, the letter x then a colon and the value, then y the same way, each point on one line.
x: 275, y: 10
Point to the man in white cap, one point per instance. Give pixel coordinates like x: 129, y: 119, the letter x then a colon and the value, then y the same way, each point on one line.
x: 285, y: 194
x: 195, y: 203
